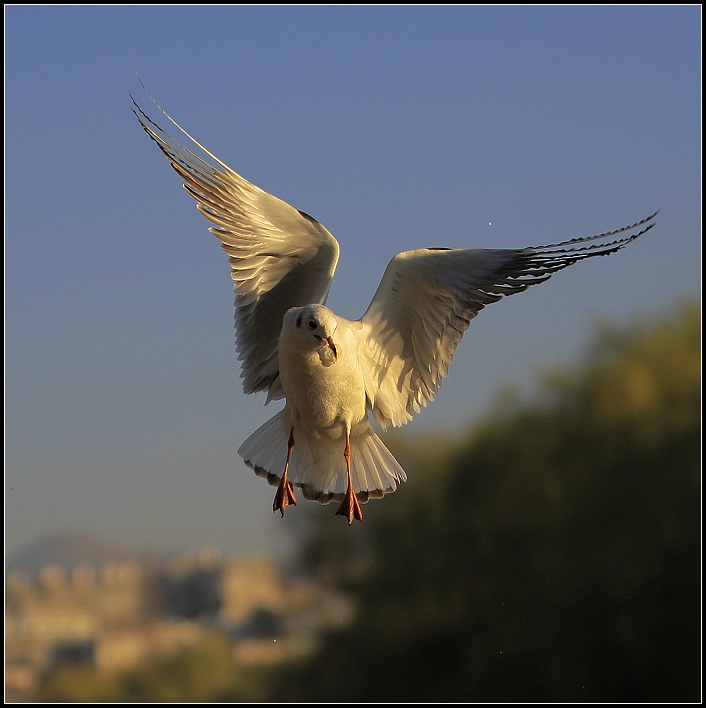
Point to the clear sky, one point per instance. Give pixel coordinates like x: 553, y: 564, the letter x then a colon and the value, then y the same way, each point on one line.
x: 396, y: 127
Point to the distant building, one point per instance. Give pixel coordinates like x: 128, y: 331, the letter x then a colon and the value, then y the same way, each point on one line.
x: 248, y: 585
x: 116, y: 617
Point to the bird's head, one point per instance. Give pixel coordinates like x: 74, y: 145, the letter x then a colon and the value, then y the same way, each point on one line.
x: 313, y: 326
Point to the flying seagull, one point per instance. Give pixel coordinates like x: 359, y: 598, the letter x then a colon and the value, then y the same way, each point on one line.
x: 332, y: 372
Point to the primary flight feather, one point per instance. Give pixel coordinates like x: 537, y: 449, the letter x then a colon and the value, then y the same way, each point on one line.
x: 334, y: 372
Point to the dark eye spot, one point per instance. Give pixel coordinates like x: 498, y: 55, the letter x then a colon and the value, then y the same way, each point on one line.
x: 312, y: 324
x: 299, y: 321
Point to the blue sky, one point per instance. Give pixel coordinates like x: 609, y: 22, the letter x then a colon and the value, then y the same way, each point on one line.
x: 397, y: 127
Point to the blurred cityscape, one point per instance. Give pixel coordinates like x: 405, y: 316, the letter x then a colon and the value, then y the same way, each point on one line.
x: 116, y: 616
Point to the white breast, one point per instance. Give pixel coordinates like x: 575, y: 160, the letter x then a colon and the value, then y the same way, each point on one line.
x: 325, y: 393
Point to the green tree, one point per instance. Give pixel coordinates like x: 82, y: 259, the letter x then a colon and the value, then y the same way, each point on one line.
x: 554, y: 555
x: 205, y: 672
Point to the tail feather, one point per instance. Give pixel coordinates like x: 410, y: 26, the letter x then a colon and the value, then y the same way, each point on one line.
x: 317, y: 466
x: 263, y: 449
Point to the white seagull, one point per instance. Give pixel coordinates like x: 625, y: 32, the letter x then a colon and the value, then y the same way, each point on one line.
x: 334, y: 372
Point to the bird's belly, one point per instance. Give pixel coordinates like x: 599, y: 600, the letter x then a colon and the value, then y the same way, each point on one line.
x: 324, y: 400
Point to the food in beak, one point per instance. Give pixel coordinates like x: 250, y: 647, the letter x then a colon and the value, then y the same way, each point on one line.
x: 332, y: 346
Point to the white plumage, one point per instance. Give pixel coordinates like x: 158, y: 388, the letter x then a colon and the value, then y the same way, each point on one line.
x: 334, y: 372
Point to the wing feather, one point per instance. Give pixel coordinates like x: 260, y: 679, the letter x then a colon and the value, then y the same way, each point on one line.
x: 279, y: 256
x: 427, y: 299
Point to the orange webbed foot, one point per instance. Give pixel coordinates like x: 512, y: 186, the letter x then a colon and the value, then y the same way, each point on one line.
x: 284, y: 495
x: 350, y: 507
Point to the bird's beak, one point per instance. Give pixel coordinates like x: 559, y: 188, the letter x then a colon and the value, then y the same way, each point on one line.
x: 332, y: 346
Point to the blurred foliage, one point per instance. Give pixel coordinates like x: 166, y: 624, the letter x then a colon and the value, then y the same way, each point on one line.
x: 553, y: 555
x: 205, y: 672
x: 78, y: 684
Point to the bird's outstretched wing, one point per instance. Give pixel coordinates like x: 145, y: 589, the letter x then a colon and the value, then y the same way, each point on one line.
x: 427, y: 299
x: 279, y: 257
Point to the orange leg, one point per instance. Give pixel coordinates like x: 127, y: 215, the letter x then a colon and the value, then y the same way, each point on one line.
x: 350, y: 508
x: 285, y: 494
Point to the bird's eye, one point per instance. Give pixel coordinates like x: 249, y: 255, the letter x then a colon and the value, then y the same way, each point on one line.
x: 312, y: 324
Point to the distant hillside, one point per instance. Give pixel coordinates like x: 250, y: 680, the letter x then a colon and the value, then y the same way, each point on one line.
x: 69, y: 549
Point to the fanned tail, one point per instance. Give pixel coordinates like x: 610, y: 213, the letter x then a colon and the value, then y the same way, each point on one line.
x: 318, y: 467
